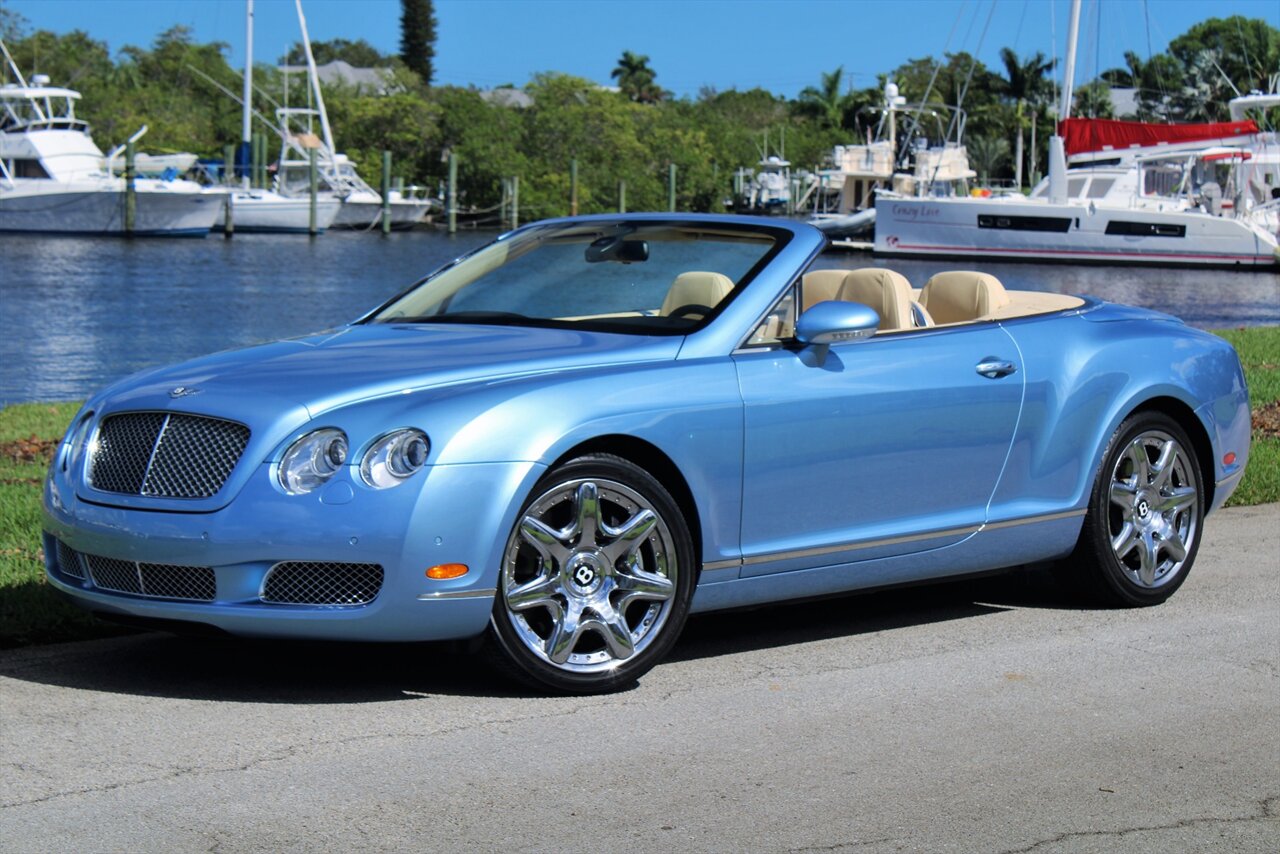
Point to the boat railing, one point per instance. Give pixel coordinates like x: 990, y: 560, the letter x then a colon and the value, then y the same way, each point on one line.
x: 13, y: 124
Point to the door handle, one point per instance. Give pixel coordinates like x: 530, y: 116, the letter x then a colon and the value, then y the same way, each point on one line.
x: 993, y: 368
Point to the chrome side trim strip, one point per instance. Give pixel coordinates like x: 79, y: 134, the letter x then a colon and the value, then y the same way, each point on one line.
x: 864, y: 544
x: 485, y: 593
x: 1031, y: 520
x: 910, y: 538
x: 722, y: 564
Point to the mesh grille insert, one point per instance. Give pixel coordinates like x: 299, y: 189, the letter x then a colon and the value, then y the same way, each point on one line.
x: 322, y: 583
x: 69, y: 561
x: 165, y: 455
x: 155, y: 580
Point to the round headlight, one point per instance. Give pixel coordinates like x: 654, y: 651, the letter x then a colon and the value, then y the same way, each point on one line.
x: 394, y: 457
x: 312, y: 460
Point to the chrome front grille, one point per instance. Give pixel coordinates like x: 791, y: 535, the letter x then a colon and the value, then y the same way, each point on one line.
x: 155, y: 580
x: 165, y: 455
x: 322, y: 583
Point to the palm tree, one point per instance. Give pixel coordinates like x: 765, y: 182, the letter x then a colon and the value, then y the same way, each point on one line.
x: 1026, y: 84
x: 986, y: 153
x: 636, y: 79
x: 826, y: 102
x: 1094, y: 100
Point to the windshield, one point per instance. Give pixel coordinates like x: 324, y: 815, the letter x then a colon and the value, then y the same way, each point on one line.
x: 640, y: 277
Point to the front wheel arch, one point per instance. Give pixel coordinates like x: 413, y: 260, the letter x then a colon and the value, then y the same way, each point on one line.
x: 655, y: 461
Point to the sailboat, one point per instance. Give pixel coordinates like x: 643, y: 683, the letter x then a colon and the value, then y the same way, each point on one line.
x: 1158, y: 207
x: 338, y: 179
x: 255, y: 209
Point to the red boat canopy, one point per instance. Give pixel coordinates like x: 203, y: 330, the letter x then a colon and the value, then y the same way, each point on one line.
x: 1081, y: 135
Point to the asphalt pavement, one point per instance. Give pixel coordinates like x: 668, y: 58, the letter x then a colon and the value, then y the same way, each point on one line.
x: 975, y: 716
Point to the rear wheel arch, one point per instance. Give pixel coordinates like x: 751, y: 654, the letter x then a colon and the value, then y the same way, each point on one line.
x: 1187, y: 419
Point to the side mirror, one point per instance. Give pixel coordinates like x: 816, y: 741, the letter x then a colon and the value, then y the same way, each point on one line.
x: 832, y: 322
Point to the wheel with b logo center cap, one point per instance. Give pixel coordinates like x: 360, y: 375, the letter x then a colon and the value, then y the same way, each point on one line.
x: 596, y: 580
x: 1143, y: 525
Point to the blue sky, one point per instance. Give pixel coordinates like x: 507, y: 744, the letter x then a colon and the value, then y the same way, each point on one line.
x: 781, y: 45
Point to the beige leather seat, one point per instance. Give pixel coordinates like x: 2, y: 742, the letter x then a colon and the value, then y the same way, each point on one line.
x: 696, y: 288
x: 820, y: 286
x: 887, y: 292
x: 961, y: 296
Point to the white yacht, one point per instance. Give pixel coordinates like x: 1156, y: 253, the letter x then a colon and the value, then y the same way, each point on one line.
x: 843, y: 196
x: 54, y: 178
x: 769, y: 190
x: 1171, y: 205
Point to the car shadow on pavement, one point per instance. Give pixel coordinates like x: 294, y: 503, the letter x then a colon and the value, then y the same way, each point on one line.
x: 225, y: 669
x: 726, y: 632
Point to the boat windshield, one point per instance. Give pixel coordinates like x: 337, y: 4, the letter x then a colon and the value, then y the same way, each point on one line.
x: 643, y: 277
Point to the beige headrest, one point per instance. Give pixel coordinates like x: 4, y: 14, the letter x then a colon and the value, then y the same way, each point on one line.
x: 962, y: 295
x: 820, y: 286
x: 696, y: 288
x: 884, y: 290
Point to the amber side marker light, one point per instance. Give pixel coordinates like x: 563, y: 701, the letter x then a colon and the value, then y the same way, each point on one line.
x: 1229, y: 459
x: 445, y: 571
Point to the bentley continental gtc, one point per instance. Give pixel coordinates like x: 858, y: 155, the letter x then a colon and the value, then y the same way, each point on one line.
x: 569, y: 440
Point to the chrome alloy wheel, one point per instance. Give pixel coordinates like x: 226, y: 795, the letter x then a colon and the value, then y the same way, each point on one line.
x: 1154, y: 515
x: 589, y: 575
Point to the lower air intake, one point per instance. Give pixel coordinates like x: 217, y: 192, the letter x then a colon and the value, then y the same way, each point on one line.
x: 154, y: 580
x: 322, y: 583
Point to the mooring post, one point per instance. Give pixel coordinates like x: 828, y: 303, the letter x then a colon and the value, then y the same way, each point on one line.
x: 451, y: 200
x: 573, y: 187
x: 622, y: 197
x: 259, y: 167
x: 313, y: 187
x: 228, y: 180
x: 386, y: 191
x: 671, y: 187
x: 515, y: 202
x: 130, y: 189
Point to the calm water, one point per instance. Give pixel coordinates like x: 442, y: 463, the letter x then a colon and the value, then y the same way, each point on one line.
x: 84, y: 312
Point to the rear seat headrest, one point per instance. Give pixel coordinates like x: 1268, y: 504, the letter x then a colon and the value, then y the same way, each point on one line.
x: 962, y: 295
x: 884, y: 290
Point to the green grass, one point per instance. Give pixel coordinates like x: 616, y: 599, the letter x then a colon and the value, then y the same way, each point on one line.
x: 1259, y: 350
x: 31, y: 612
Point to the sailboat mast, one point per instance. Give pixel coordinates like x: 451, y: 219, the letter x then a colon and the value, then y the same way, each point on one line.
x: 1069, y: 70
x: 246, y: 130
x: 315, y: 80
x: 1057, y: 148
x: 244, y: 156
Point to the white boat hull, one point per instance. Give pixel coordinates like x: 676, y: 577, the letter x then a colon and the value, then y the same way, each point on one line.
x: 368, y: 214
x: 55, y: 208
x: 265, y: 212
x: 1022, y: 230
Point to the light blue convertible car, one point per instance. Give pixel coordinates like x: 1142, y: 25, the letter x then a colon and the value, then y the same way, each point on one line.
x: 577, y: 435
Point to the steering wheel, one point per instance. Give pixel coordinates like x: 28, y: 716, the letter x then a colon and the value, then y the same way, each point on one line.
x: 690, y: 308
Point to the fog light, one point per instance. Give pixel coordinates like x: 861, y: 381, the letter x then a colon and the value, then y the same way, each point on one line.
x: 445, y: 571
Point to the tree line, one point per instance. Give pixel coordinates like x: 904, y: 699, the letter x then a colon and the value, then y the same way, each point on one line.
x: 630, y: 131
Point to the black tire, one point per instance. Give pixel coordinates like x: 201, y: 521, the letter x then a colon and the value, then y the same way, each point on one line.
x: 596, y: 579
x: 1144, y: 523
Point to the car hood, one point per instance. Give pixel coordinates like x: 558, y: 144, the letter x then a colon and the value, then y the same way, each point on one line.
x: 319, y: 372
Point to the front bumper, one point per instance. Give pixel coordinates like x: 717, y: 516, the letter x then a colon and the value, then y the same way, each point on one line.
x: 446, y: 514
